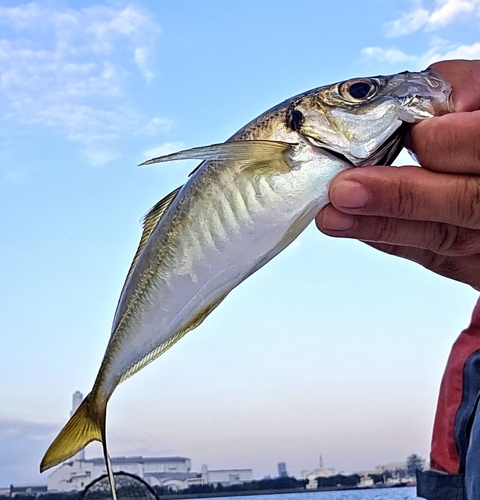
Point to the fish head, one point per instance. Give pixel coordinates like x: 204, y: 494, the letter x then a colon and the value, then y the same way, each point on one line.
x: 361, y: 119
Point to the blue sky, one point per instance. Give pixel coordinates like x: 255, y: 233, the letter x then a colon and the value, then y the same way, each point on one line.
x: 332, y: 349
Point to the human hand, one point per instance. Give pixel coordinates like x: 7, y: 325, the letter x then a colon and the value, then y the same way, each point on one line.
x: 429, y: 215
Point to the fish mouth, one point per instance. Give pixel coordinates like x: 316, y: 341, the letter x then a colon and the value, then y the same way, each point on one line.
x: 385, y: 154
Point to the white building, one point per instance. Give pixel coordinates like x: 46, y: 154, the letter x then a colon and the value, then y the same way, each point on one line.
x: 169, y: 472
x: 76, y: 474
x: 226, y: 477
x: 311, y: 476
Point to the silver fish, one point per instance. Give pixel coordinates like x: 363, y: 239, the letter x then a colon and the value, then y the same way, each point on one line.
x: 249, y: 198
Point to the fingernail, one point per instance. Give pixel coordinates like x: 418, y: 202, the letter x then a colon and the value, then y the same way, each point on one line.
x: 349, y: 194
x: 333, y: 220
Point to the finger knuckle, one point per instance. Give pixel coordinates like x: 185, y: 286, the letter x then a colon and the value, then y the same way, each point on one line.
x: 468, y: 202
x: 446, y: 239
x: 456, y: 241
x: 467, y: 242
x: 385, y: 230
x: 403, y: 205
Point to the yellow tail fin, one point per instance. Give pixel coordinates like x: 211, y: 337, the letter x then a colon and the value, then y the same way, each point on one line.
x: 86, y: 424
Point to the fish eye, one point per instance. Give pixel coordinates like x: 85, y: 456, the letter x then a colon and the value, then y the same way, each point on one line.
x: 358, y: 90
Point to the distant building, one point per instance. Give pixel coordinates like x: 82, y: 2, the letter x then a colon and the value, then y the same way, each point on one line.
x: 396, y: 468
x: 27, y: 489
x: 365, y: 482
x: 168, y: 472
x: 311, y: 476
x: 394, y: 473
x: 226, y: 477
x: 282, y: 469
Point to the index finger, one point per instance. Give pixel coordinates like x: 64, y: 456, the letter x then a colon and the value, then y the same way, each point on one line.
x: 464, y: 77
x: 449, y: 143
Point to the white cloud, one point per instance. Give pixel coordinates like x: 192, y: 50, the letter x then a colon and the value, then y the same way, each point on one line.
x: 444, y: 13
x: 68, y: 69
x: 449, y: 10
x: 407, y: 23
x: 390, y: 56
x: 157, y: 125
x: 439, y: 50
x: 461, y: 52
x: 142, y: 58
x: 22, y: 16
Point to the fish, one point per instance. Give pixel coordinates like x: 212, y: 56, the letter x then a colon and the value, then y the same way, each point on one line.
x: 247, y: 200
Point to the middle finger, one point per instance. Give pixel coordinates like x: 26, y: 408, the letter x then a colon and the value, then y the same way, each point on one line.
x: 448, y: 143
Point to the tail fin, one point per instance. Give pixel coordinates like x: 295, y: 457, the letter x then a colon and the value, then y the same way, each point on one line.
x: 84, y: 426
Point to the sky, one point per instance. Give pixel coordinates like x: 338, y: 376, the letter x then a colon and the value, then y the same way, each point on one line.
x: 332, y: 349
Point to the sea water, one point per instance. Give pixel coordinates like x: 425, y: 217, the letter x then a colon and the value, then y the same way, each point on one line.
x: 406, y: 493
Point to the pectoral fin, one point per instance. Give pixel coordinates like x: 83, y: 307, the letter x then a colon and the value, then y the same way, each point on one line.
x: 256, y: 156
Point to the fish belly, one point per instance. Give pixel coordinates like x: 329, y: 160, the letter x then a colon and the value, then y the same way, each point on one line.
x: 216, y: 235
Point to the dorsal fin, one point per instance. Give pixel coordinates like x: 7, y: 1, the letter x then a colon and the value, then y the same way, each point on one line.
x: 150, y: 221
